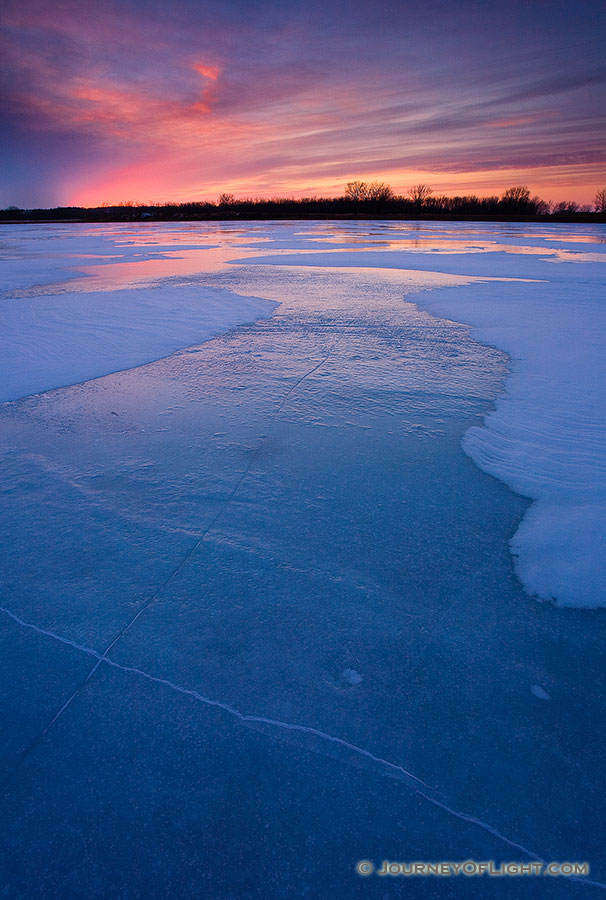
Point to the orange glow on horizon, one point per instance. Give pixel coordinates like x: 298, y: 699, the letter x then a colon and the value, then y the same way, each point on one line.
x: 152, y: 182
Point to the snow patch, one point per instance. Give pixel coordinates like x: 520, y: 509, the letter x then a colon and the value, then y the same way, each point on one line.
x: 55, y: 340
x: 546, y: 437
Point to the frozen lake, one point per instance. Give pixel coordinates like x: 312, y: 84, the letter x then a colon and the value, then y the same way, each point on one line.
x: 302, y: 557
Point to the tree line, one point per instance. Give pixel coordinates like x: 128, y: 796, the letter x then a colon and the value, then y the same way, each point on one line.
x: 361, y: 199
x: 514, y: 199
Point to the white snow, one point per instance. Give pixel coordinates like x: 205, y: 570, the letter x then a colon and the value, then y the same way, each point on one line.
x: 546, y: 437
x: 56, y: 340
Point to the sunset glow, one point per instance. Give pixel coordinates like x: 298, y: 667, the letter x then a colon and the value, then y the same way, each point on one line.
x: 129, y: 101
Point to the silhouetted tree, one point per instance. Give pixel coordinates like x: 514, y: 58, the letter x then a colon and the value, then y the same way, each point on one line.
x: 356, y: 190
x: 566, y: 206
x: 439, y: 202
x: 419, y: 193
x: 517, y: 200
x: 599, y: 201
x: 378, y: 190
x: 518, y: 195
x: 226, y: 199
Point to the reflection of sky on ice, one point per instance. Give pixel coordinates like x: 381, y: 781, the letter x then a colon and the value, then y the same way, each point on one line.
x: 258, y: 516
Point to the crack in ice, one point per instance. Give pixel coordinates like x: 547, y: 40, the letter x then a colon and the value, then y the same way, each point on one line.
x: 278, y: 725
x: 245, y: 718
x: 103, y: 656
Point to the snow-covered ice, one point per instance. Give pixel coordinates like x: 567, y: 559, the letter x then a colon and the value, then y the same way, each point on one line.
x: 50, y: 340
x: 61, y: 339
x: 260, y: 617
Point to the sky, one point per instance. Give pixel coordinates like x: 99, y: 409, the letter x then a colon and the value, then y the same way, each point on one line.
x: 107, y: 101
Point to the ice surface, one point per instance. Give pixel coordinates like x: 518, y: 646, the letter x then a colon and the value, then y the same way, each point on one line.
x: 259, y: 616
x: 547, y: 437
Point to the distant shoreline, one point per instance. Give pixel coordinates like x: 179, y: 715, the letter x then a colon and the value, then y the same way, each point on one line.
x: 126, y: 214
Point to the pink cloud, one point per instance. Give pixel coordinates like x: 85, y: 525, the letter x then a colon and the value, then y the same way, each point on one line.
x: 208, y: 71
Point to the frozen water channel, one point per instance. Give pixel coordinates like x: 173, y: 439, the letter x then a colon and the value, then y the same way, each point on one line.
x: 260, y: 616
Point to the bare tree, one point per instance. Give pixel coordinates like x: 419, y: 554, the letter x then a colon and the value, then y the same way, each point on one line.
x: 566, y: 206
x: 541, y: 207
x: 517, y: 194
x: 356, y: 190
x: 419, y: 193
x: 226, y: 199
x: 599, y: 201
x: 379, y: 190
